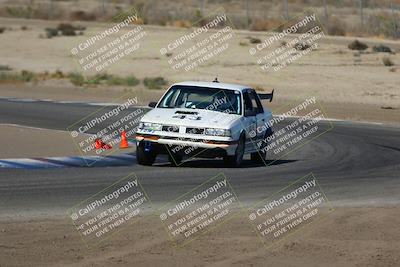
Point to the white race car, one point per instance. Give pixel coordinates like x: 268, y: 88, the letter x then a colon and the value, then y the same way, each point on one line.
x: 207, y: 120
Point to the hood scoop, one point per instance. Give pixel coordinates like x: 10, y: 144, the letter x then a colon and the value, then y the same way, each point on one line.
x: 186, y: 112
x: 182, y: 114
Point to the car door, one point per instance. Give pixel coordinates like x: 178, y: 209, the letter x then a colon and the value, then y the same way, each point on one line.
x: 250, y: 120
x: 260, y: 117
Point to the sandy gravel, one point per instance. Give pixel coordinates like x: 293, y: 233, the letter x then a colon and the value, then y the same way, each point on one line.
x: 347, y: 237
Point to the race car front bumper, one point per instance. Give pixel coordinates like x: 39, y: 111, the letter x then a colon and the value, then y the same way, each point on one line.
x: 187, y: 146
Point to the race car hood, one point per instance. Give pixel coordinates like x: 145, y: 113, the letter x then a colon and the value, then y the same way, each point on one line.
x: 190, y: 118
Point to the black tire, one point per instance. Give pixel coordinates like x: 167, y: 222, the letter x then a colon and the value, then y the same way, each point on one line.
x: 145, y: 158
x: 175, y: 159
x: 258, y: 157
x: 237, y: 159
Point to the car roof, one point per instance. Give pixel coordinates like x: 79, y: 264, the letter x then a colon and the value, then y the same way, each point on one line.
x: 228, y: 86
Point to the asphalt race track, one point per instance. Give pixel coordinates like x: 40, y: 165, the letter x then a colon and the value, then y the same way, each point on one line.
x: 355, y: 164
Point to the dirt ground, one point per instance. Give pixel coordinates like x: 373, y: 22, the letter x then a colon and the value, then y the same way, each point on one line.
x: 351, y: 84
x: 349, y: 237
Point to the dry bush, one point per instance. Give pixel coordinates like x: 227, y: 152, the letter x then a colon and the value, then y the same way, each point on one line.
x: 155, y: 82
x: 357, y: 45
x: 301, y: 46
x: 67, y: 29
x: 51, y: 32
x: 381, y: 48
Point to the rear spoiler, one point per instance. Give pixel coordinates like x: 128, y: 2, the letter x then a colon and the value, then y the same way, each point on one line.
x: 267, y: 96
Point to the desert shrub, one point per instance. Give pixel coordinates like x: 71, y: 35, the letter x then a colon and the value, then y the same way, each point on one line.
x: 387, y: 61
x: 2, y: 29
x: 357, y: 45
x: 253, y: 40
x: 114, y: 80
x: 66, y: 29
x: 23, y: 76
x: 132, y: 80
x: 97, y: 79
x: 154, y: 83
x: 301, y: 46
x: 103, y: 78
x: 387, y: 107
x: 27, y: 76
x: 58, y: 74
x: 51, y: 32
x: 76, y: 78
x: 24, y: 28
x: 381, y: 48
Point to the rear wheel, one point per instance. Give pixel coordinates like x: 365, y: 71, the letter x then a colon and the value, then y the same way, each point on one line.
x: 145, y: 157
x: 237, y: 159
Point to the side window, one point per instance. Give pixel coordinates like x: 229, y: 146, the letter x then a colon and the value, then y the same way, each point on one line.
x: 247, y: 101
x: 258, y: 108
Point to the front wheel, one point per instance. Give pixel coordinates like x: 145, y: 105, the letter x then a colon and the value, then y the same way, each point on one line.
x: 237, y: 159
x: 260, y: 155
x: 145, y: 157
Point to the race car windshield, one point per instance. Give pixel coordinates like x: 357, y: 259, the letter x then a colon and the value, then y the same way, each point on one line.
x: 192, y: 97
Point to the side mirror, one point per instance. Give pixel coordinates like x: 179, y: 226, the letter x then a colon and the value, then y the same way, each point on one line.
x: 152, y: 104
x: 249, y: 113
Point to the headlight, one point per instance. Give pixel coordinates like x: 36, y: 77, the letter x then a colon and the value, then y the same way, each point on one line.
x: 150, y: 126
x: 217, y: 132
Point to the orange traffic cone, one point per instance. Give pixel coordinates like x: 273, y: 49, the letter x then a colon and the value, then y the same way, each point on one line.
x: 99, y: 144
x: 124, y: 142
x: 106, y: 146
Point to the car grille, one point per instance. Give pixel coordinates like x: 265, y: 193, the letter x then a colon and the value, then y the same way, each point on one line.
x: 175, y: 129
x: 194, y: 130
x: 170, y: 128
